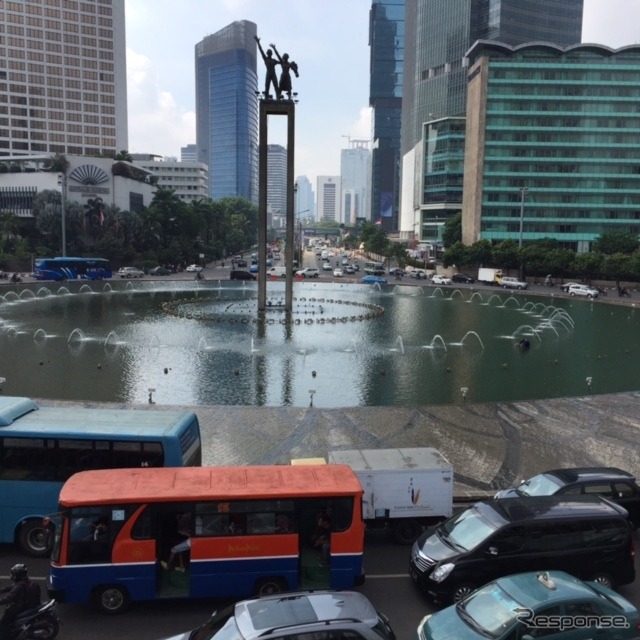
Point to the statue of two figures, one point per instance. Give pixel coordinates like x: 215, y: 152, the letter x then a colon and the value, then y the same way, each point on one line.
x: 282, y: 86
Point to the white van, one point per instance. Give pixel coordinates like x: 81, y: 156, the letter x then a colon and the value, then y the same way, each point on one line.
x: 277, y: 272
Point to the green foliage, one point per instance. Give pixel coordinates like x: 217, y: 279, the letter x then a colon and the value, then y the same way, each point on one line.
x: 507, y: 254
x: 457, y: 254
x: 375, y: 239
x: 480, y: 254
x: 588, y: 265
x: 616, y: 242
x: 452, y: 231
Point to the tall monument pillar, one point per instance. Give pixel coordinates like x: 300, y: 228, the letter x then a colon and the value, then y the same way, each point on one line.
x: 275, y: 108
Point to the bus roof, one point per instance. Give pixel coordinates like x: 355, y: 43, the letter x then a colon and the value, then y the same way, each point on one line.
x: 23, y: 417
x: 124, y: 486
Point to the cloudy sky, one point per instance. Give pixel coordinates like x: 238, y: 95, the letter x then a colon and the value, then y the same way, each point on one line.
x: 329, y: 41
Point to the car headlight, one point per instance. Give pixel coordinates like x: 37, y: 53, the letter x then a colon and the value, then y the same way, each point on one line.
x: 441, y: 572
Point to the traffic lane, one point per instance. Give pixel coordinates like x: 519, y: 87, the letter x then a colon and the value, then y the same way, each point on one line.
x: 387, y: 585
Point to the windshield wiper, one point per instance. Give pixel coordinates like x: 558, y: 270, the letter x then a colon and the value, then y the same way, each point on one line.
x: 471, y: 622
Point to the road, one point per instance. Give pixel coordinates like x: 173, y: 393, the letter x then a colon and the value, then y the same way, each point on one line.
x: 387, y: 585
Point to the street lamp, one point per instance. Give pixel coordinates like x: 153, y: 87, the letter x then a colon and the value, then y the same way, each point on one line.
x: 62, y: 181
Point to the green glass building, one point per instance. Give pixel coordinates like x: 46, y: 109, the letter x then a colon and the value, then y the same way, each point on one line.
x: 552, y: 143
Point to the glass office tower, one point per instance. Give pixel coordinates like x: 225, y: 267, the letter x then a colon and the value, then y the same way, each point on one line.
x: 386, y: 39
x: 443, y: 32
x: 552, y: 143
x: 227, y: 110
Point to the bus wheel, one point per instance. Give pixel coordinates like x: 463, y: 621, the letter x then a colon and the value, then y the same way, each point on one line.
x: 111, y: 599
x: 405, y: 531
x: 34, y: 538
x: 269, y: 586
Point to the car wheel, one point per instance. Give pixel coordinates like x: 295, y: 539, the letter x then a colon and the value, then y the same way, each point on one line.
x: 461, y: 591
x: 604, y: 579
x: 284, y: 275
x: 112, y: 599
x: 405, y: 531
x: 572, y: 293
x: 590, y: 297
x: 269, y: 586
x: 519, y: 288
x: 34, y: 539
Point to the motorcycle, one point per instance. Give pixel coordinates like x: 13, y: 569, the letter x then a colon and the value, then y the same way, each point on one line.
x: 623, y: 292
x: 199, y: 276
x: 16, y: 278
x: 36, y: 624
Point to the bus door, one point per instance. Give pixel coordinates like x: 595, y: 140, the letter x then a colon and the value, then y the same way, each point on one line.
x: 170, y: 526
x: 314, y: 525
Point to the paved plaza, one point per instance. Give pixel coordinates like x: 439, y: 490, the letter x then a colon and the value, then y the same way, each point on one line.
x: 490, y: 445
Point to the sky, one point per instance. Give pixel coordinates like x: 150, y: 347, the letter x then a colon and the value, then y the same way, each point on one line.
x: 329, y: 41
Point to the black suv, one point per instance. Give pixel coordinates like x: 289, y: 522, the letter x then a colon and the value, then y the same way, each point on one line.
x: 462, y: 277
x: 239, y: 274
x: 609, y: 482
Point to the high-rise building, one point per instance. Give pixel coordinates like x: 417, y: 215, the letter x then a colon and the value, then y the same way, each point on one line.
x: 188, y: 153
x: 435, y: 89
x: 329, y: 198
x: 227, y: 110
x: 304, y: 205
x: 277, y: 181
x: 386, y: 39
x: 552, y: 143
x: 355, y: 178
x: 63, y: 77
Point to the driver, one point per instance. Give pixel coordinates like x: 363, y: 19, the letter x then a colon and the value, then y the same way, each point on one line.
x: 24, y: 594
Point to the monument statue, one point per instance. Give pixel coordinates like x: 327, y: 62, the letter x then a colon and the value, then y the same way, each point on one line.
x: 271, y: 78
x: 285, y: 76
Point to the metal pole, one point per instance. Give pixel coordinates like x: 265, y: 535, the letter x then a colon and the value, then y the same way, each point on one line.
x: 63, y: 206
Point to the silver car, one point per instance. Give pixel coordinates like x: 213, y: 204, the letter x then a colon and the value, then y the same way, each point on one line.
x: 130, y: 272
x: 305, y: 614
x: 583, y: 290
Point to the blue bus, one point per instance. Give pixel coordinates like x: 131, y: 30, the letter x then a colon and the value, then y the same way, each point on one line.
x: 71, y: 269
x: 41, y: 447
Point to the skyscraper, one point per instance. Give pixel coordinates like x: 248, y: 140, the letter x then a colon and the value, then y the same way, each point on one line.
x: 329, y: 198
x: 443, y: 32
x: 355, y: 176
x: 63, y: 77
x: 277, y: 180
x: 227, y: 110
x: 386, y: 39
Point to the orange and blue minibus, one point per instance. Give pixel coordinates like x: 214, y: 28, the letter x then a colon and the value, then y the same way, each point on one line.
x: 252, y: 532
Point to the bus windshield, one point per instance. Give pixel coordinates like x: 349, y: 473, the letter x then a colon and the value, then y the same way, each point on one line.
x: 72, y: 269
x: 207, y: 532
x: 41, y: 447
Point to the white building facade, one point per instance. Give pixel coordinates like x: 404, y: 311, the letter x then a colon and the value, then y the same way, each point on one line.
x: 329, y: 198
x: 63, y: 78
x: 188, y: 180
x: 355, y: 177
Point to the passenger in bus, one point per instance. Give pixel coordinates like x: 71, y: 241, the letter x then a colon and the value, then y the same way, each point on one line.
x: 182, y: 547
x: 321, y: 538
x: 283, y: 523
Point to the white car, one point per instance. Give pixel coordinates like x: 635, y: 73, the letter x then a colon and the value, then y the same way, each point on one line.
x: 583, y: 290
x: 326, y: 266
x: 567, y: 285
x: 308, y: 272
x: 194, y: 268
x: 130, y: 272
x: 337, y: 273
x: 440, y: 280
x: 508, y: 282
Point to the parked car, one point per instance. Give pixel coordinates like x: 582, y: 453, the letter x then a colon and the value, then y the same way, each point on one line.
x: 326, y: 266
x: 347, y: 614
x: 395, y: 271
x: 308, y: 272
x: 356, y: 266
x: 370, y: 279
x: 610, y: 482
x: 586, y: 536
x: 583, y: 290
x: 130, y: 272
x: 462, y: 277
x: 566, y: 285
x: 337, y: 272
x: 240, y: 262
x: 349, y: 269
x: 419, y: 274
x: 254, y: 269
x: 159, y: 271
x: 507, y: 282
x: 194, y: 268
x: 440, y: 280
x: 240, y: 274
x: 549, y: 604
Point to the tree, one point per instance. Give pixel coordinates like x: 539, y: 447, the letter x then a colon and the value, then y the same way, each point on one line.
x: 616, y: 242
x: 123, y: 155
x: 457, y: 254
x: 506, y: 254
x: 57, y: 163
x: 588, y: 265
x: 618, y: 266
x: 480, y: 253
x: 452, y: 231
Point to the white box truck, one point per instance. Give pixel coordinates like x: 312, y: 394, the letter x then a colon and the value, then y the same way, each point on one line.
x: 489, y: 276
x: 404, y: 489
